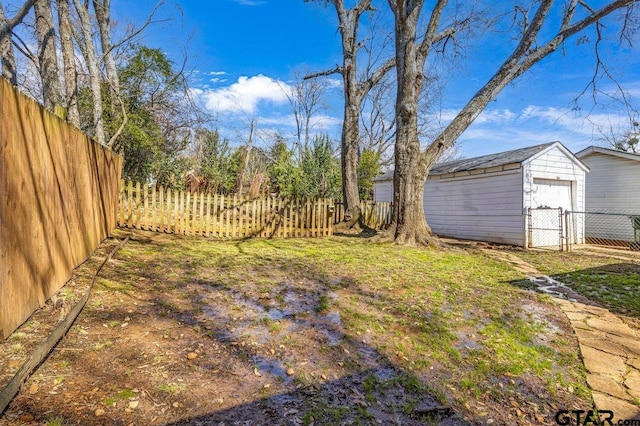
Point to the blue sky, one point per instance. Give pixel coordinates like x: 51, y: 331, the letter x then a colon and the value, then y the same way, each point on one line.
x: 244, y: 52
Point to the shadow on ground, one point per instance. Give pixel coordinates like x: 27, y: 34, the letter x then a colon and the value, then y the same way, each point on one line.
x: 174, y: 342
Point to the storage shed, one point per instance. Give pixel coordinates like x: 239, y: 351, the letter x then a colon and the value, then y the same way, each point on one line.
x: 506, y: 197
x: 613, y: 186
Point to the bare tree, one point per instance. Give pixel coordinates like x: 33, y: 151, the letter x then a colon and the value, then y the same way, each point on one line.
x: 412, y: 164
x: 6, y: 52
x: 47, y: 57
x: 84, y: 39
x: 355, y: 90
x: 305, y: 98
x: 103, y: 18
x: 7, y: 57
x: 623, y: 137
x: 378, y: 122
x: 69, y: 62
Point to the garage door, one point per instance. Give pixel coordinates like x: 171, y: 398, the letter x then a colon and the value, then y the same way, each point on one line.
x: 549, y: 199
x: 551, y: 194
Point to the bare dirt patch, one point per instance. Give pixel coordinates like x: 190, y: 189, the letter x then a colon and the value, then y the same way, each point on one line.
x: 186, y: 331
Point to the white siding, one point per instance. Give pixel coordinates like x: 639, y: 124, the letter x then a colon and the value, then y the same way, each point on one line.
x: 482, y: 207
x: 493, y: 206
x: 554, y: 164
x: 613, y: 186
x: 383, y: 191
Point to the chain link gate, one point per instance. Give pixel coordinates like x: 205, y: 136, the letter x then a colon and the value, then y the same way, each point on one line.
x: 546, y: 228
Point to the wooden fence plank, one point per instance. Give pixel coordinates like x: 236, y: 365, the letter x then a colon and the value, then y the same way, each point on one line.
x: 122, y: 201
x: 145, y: 204
x: 161, y: 209
x: 233, y: 216
x: 207, y: 217
x: 170, y: 210
x: 130, y: 204
x: 154, y: 208
x: 254, y: 218
x: 201, y: 216
x: 137, y: 217
x: 186, y: 214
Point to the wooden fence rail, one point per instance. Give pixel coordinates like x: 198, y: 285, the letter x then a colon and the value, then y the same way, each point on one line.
x: 172, y: 211
x: 377, y: 214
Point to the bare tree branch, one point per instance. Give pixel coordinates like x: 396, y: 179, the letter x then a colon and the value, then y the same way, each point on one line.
x: 337, y: 70
x: 17, y: 19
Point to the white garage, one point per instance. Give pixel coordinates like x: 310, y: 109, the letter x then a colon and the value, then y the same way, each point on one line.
x: 612, y: 199
x: 514, y: 197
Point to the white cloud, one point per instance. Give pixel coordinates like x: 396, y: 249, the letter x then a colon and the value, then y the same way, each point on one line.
x: 250, y: 2
x: 499, y: 130
x: 217, y: 80
x: 245, y: 94
x: 333, y: 83
x: 318, y: 122
x: 218, y: 73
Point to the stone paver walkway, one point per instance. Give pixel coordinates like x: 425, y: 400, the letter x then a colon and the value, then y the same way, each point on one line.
x: 610, y: 349
x: 611, y: 355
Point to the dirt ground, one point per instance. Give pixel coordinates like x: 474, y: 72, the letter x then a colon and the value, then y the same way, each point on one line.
x: 166, y: 343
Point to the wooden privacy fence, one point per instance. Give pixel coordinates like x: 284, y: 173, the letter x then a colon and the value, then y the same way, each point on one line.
x: 58, y: 201
x: 377, y: 214
x: 167, y: 210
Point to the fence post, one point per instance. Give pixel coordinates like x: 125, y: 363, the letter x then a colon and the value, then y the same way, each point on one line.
x: 560, y: 226
x: 566, y: 231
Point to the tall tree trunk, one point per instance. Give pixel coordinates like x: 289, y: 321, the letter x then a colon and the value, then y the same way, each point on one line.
x: 6, y: 52
x: 48, y: 61
x: 69, y: 61
x: 413, y: 165
x: 89, y: 52
x: 103, y: 17
x: 350, y: 123
x: 409, y: 177
x: 355, y: 91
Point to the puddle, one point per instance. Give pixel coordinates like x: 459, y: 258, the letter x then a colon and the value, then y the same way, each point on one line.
x: 260, y: 335
x: 465, y: 342
x: 333, y: 317
x: 368, y: 355
x: 271, y: 366
x: 334, y: 338
x: 275, y: 314
x: 385, y: 374
x: 296, y: 303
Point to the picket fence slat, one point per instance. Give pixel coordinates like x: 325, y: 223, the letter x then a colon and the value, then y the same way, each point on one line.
x: 168, y: 210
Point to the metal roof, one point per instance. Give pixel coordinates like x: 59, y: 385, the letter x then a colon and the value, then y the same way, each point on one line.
x: 492, y: 160
x: 607, y: 151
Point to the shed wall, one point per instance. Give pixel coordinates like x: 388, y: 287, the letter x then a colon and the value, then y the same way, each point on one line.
x: 613, y: 184
x: 556, y: 165
x: 383, y: 191
x: 482, y: 207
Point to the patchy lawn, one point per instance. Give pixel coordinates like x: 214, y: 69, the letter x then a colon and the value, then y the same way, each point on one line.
x: 305, y: 331
x: 608, y: 277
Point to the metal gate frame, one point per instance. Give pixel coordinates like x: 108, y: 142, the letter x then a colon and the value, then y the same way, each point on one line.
x: 545, y: 227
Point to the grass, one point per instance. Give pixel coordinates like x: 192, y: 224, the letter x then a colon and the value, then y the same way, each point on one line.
x: 413, y: 304
x: 610, y: 281
x: 172, y: 388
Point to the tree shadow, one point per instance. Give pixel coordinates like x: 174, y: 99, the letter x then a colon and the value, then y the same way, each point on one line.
x: 362, y: 385
x: 372, y: 396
